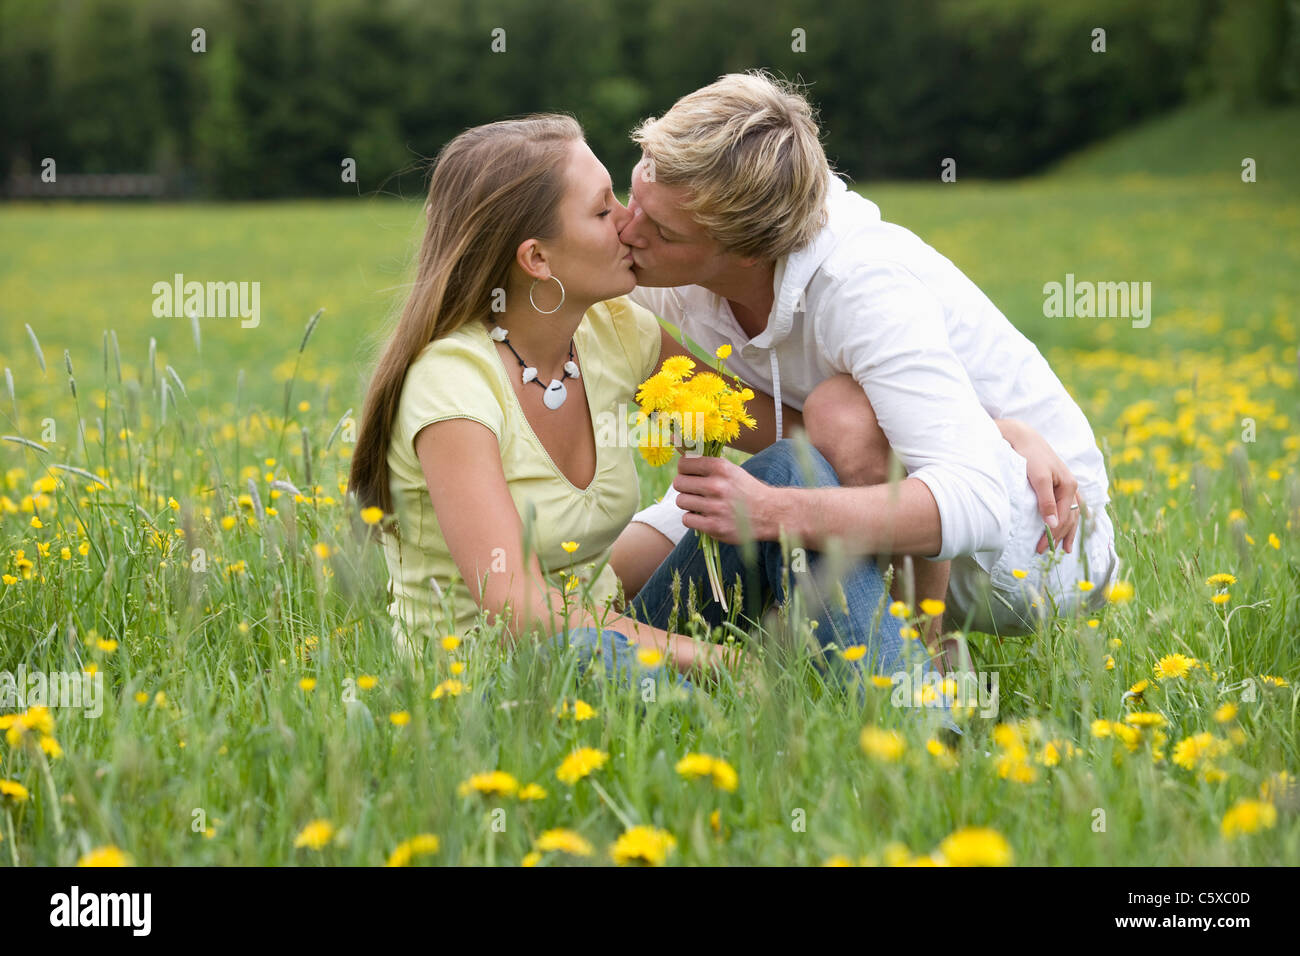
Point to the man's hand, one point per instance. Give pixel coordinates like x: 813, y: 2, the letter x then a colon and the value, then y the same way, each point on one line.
x: 1052, y: 481
x: 723, y: 500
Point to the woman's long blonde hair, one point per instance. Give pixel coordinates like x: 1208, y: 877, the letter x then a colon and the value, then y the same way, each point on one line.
x: 492, y: 187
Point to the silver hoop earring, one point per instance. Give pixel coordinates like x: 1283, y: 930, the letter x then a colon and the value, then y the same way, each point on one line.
x: 534, y: 286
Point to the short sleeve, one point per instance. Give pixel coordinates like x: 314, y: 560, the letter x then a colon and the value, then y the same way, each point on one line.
x: 449, y: 379
x: 640, y: 334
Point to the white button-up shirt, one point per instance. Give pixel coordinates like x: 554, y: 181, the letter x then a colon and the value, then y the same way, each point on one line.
x: 937, y: 360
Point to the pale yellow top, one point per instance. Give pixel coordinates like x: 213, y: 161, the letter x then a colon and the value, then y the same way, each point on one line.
x: 461, y: 375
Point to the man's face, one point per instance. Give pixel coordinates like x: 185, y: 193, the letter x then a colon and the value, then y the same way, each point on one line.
x: 669, y: 247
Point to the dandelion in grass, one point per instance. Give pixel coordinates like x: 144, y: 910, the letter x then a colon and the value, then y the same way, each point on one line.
x: 1269, y: 680
x: 886, y: 745
x: 491, y: 783
x: 855, y: 652
x: 423, y: 844
x: 316, y: 835
x: 563, y: 841
x: 695, y: 766
x: 1145, y: 719
x: 932, y: 608
x: 308, y: 684
x: 367, y: 682
x: 532, y: 858
x: 105, y: 856
x: 1119, y: 592
x: 649, y: 656
x: 1225, y: 713
x: 976, y: 846
x: 448, y: 688
x: 400, y: 718
x: 450, y: 642
x: 580, y: 763
x: 1175, y: 665
x: 1246, y: 817
x: 532, y: 791
x: 899, y: 609
x: 645, y: 845
x: 372, y: 515
x: 1220, y: 580
x: 13, y: 791
x: 569, y: 546
x: 581, y: 710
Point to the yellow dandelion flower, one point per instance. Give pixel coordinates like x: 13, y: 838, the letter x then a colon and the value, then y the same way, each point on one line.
x: 1085, y: 586
x: 643, y: 844
x: 308, y: 684
x: 105, y: 856
x: 13, y: 790
x: 315, y: 835
x: 1145, y: 719
x: 422, y: 844
x: 677, y: 367
x: 1119, y: 592
x: 649, y: 656
x: 931, y: 607
x: 450, y: 642
x: 723, y: 351
x: 1274, y: 542
x: 580, y: 763
x: 372, y: 515
x: 1225, y: 713
x: 448, y: 688
x: 569, y: 546
x: 107, y: 645
x: 900, y: 609
x: 532, y: 791
x: 887, y: 745
x: 1174, y: 665
x: 491, y: 783
x: 400, y: 718
x: 531, y: 859
x: 1223, y: 597
x: 1222, y: 579
x: 367, y: 682
x: 855, y: 652
x: 1248, y: 816
x: 976, y: 846
x: 563, y: 841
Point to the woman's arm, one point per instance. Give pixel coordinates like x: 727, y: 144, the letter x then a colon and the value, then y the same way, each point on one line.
x: 761, y: 408
x: 461, y: 461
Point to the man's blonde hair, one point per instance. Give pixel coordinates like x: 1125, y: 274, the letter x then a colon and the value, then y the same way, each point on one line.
x: 746, y: 148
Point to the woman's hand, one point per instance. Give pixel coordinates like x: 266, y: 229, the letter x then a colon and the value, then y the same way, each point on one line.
x: 1052, y: 481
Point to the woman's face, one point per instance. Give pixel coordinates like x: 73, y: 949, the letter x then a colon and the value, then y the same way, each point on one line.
x: 587, y: 256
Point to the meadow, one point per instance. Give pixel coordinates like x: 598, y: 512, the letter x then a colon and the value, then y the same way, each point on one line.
x: 254, y: 711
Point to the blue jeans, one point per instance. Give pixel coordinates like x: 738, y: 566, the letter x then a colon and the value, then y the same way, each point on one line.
x: 860, y: 618
x: 618, y: 658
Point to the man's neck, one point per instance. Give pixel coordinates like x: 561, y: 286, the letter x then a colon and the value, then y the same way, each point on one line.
x: 748, y: 289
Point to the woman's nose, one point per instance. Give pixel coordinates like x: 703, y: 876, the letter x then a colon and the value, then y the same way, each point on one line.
x: 627, y: 230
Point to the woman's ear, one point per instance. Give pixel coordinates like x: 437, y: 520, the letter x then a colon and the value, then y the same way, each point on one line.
x: 532, y: 259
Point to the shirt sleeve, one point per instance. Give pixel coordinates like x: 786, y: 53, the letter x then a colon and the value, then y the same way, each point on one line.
x: 449, y: 379
x: 641, y: 336
x: 664, y: 516
x: 887, y: 329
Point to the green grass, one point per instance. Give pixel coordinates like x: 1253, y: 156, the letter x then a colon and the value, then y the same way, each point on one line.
x: 236, y: 745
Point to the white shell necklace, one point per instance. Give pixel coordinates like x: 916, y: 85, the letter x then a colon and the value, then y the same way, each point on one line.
x: 555, y: 393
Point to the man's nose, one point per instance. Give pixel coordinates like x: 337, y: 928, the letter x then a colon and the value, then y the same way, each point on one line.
x: 630, y: 232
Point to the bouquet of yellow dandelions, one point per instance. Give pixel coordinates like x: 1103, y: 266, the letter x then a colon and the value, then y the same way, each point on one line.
x: 680, y: 408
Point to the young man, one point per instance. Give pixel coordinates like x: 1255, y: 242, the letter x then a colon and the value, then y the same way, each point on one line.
x: 742, y: 235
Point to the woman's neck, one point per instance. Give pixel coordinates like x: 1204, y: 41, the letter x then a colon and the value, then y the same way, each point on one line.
x: 542, y: 341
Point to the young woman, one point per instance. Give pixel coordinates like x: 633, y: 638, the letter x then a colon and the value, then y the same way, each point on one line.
x: 479, y: 427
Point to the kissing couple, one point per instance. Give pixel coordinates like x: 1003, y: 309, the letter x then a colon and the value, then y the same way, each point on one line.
x: 536, y: 308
